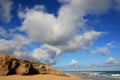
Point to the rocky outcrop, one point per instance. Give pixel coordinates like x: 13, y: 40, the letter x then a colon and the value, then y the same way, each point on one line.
x: 10, y: 65
x: 23, y: 67
x: 7, y: 64
x: 45, y: 69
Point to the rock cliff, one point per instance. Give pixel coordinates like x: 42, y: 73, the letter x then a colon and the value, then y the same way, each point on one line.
x: 10, y: 65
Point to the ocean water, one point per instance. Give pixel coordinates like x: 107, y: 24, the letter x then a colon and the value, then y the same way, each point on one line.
x: 96, y: 75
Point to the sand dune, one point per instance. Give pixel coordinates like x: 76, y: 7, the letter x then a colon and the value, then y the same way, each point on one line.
x: 38, y: 77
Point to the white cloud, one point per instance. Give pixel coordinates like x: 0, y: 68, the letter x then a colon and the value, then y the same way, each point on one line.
x: 111, y: 62
x: 6, y: 33
x: 3, y: 32
x: 51, y: 49
x: 48, y: 52
x: 15, y: 45
x: 79, y: 42
x: 103, y: 50
x: 5, y: 10
x: 65, y: 26
x: 40, y: 24
x: 85, y: 6
x: 73, y: 63
x: 47, y: 30
x: 39, y: 53
x: 44, y: 55
x: 64, y: 33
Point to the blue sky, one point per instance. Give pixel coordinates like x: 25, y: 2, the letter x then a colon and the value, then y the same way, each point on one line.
x: 80, y: 35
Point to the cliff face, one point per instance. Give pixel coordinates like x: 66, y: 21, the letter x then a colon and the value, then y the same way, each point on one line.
x: 10, y: 65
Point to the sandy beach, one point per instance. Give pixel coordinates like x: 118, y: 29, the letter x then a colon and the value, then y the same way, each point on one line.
x: 38, y: 77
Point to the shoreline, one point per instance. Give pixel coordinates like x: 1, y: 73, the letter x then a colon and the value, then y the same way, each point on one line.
x: 97, y: 76
x: 39, y: 77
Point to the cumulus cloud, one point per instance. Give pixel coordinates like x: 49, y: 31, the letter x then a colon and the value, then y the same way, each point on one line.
x: 52, y: 49
x: 73, y: 63
x: 81, y: 42
x: 65, y: 32
x: 45, y: 26
x: 85, y: 6
x: 63, y: 27
x: 5, y: 10
x: 111, y: 62
x: 103, y: 50
x: 17, y: 47
x: 43, y: 55
x: 14, y: 46
x: 57, y: 34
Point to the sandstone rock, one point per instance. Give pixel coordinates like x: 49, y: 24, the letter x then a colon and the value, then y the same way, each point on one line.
x: 5, y: 63
x: 36, y: 67
x: 52, y: 71
x: 11, y: 65
x: 41, y: 69
x: 46, y: 69
x: 23, y: 67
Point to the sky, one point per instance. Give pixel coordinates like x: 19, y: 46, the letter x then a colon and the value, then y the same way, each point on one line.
x: 70, y: 35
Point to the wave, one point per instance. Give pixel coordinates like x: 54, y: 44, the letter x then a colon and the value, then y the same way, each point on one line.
x: 97, y: 75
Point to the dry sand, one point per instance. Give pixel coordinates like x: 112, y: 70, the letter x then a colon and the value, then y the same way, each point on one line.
x: 38, y: 77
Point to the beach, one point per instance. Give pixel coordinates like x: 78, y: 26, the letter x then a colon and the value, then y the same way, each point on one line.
x: 39, y: 77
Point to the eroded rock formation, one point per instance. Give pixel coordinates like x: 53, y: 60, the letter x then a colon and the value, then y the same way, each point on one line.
x: 10, y: 65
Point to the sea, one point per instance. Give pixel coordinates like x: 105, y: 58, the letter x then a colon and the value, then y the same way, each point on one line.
x: 96, y: 75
